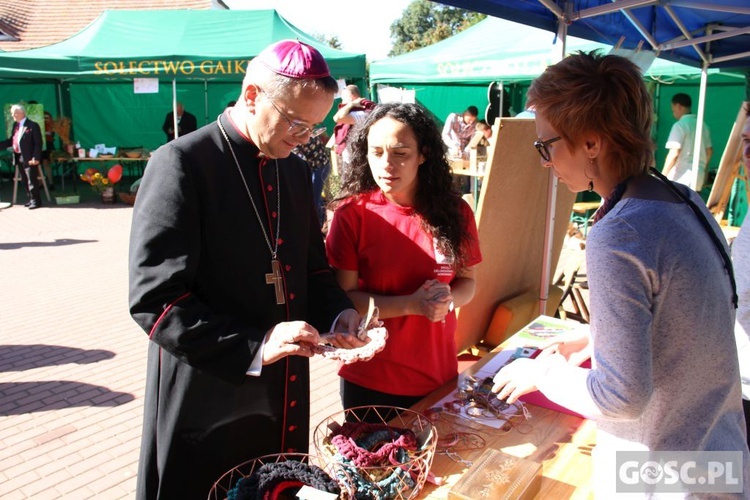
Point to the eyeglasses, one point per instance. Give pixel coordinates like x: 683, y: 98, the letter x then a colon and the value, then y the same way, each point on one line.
x: 296, y: 129
x: 541, y: 146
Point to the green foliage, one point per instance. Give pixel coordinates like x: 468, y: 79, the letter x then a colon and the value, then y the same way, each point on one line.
x: 332, y: 41
x: 424, y: 23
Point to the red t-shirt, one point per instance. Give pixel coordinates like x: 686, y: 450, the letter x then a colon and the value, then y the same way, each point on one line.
x: 393, y: 255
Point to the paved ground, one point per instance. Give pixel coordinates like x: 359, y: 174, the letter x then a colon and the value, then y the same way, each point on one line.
x: 72, y: 362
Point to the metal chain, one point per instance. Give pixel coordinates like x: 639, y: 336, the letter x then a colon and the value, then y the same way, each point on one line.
x: 273, y: 249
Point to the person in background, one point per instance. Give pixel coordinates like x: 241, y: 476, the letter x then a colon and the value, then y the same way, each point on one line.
x: 741, y: 260
x: 401, y: 236
x: 458, y: 131
x: 49, y: 146
x: 26, y: 142
x: 483, y: 127
x: 664, y: 375
x: 352, y: 110
x: 229, y: 279
x: 186, y: 123
x: 317, y: 156
x: 526, y: 113
x: 681, y: 141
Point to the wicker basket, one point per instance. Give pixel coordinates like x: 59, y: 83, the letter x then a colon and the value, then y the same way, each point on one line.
x: 399, y: 476
x: 229, y: 480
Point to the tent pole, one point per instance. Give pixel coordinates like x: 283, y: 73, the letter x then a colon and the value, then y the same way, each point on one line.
x: 549, y: 220
x: 205, y: 100
x: 174, y: 107
x: 58, y: 85
x: 699, y: 127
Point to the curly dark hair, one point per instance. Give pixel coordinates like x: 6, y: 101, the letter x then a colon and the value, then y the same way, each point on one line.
x: 436, y: 201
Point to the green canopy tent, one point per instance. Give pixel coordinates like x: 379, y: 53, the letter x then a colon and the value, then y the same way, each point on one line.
x: 454, y: 73
x: 91, y: 77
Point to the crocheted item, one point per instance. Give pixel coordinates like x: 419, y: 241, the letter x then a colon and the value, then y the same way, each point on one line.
x: 377, y: 337
x: 272, y: 480
x: 374, y: 456
x: 370, y: 445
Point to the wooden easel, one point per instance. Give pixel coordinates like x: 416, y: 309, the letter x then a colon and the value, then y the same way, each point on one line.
x: 730, y: 168
x: 511, y: 215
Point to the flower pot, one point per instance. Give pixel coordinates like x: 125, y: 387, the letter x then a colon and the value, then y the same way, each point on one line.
x: 108, y: 195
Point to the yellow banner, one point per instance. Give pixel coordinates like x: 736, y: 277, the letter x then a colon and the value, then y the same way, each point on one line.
x: 168, y: 67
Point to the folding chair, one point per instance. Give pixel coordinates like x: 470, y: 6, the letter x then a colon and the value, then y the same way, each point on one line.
x: 568, y: 280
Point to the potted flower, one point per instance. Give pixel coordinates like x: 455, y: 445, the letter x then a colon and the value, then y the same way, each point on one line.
x: 103, y: 184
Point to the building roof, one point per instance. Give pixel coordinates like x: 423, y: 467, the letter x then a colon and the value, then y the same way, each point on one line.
x: 29, y: 24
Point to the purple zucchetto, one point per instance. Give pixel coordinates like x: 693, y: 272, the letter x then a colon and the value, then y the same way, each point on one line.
x: 294, y: 59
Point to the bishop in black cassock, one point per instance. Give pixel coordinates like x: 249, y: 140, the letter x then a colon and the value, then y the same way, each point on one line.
x: 199, y: 261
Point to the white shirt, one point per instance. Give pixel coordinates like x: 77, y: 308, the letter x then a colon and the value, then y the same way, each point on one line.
x: 682, y: 137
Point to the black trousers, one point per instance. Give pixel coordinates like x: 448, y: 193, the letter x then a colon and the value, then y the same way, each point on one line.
x: 353, y: 396
x: 30, y: 179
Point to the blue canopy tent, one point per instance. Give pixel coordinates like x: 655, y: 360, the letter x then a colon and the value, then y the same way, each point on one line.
x: 696, y: 33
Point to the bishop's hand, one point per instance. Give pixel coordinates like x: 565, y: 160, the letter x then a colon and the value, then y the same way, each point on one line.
x: 291, y: 338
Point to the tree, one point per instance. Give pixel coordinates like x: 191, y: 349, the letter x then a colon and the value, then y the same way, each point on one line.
x: 424, y: 23
x: 332, y: 41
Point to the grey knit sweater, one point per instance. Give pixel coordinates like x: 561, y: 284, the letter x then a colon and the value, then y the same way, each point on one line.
x: 665, y: 373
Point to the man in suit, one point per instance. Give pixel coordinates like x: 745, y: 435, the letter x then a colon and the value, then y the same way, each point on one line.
x: 26, y: 141
x: 186, y: 123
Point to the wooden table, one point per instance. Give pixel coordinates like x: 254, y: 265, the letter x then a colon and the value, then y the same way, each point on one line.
x: 135, y: 166
x: 561, y: 442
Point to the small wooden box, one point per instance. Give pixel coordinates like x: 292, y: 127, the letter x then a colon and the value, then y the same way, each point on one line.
x: 498, y: 476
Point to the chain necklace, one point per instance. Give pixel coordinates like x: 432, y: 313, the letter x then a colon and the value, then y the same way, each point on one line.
x: 274, y: 277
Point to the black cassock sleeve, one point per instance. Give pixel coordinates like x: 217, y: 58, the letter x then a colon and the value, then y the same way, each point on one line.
x: 165, y: 249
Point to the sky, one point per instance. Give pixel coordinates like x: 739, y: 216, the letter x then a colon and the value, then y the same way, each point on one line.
x: 360, y: 27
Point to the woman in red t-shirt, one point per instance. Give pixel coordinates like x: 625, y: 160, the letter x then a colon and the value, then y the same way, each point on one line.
x: 402, y: 236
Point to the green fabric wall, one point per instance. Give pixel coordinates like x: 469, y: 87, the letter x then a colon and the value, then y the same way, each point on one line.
x: 724, y: 96
x: 111, y: 113
x: 441, y: 100
x: 43, y: 93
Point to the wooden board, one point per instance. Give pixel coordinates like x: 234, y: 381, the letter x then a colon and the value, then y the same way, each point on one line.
x: 729, y: 168
x: 511, y: 217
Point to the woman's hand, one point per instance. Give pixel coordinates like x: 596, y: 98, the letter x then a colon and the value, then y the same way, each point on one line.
x: 523, y: 375
x: 575, y: 346
x: 348, y: 322
x: 435, y: 300
x: 516, y: 379
x: 344, y: 335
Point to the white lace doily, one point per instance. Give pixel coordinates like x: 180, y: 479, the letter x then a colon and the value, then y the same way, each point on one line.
x: 377, y: 337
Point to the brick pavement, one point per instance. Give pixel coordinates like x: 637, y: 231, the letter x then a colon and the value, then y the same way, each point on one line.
x: 72, y: 362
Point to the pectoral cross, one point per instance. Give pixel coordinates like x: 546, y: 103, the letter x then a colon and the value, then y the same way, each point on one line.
x: 274, y: 278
